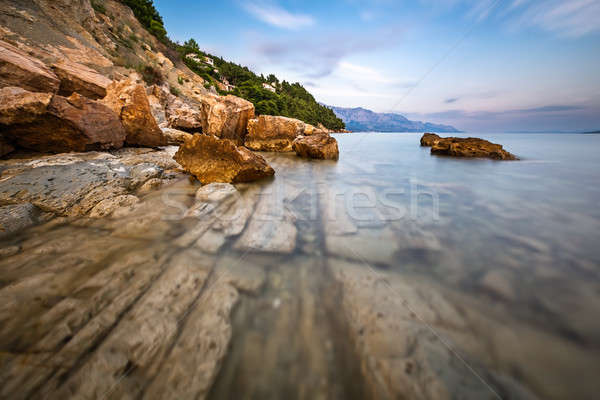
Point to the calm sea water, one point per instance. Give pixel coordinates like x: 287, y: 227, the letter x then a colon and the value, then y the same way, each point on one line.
x: 499, y: 261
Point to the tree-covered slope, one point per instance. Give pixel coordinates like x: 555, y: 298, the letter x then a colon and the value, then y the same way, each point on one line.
x: 286, y: 99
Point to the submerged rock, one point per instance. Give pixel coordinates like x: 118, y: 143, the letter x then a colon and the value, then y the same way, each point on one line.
x: 17, y: 68
x: 465, y: 147
x: 46, y: 122
x: 270, y: 133
x: 211, y: 159
x: 321, y: 146
x: 77, y: 78
x: 130, y: 101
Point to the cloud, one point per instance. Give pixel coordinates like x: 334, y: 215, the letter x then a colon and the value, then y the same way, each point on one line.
x: 318, y: 56
x: 573, y: 18
x: 277, y: 16
x: 451, y: 100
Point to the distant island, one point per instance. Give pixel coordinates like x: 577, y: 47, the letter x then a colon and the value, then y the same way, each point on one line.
x: 363, y: 120
x: 592, y: 132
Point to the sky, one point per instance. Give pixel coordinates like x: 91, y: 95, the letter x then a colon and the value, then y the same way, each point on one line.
x: 485, y: 65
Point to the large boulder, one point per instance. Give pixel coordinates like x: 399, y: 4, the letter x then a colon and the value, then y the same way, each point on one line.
x: 429, y: 139
x: 184, y: 117
x: 271, y: 133
x: 211, y: 159
x: 130, y: 101
x: 52, y: 123
x: 320, y: 146
x: 470, y: 147
x: 226, y: 116
x: 77, y: 78
x: 17, y: 68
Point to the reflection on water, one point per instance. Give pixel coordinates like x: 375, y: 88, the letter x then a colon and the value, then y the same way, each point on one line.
x: 390, y: 273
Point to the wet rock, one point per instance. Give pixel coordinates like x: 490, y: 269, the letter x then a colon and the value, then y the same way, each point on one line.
x: 270, y: 133
x: 14, y: 218
x: 470, y: 147
x: 396, y: 326
x: 176, y: 137
x: 47, y: 123
x: 429, y: 139
x: 130, y: 101
x: 108, y: 206
x: 216, y: 192
x: 499, y: 284
x: 377, y: 246
x: 319, y: 146
x: 78, y: 78
x: 19, y: 69
x: 211, y: 159
x: 272, y: 229
x: 73, y: 184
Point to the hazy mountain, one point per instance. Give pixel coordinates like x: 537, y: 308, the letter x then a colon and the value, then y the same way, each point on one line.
x: 363, y: 120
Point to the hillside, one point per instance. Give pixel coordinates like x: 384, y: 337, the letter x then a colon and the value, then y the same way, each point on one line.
x: 269, y: 95
x: 363, y: 120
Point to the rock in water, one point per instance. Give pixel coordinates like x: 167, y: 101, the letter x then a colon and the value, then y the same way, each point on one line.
x: 320, y: 146
x: 211, y: 159
x: 52, y: 123
x: 77, y: 78
x: 429, y: 139
x: 19, y: 69
x: 130, y: 101
x: 269, y: 133
x: 465, y: 147
x: 471, y: 147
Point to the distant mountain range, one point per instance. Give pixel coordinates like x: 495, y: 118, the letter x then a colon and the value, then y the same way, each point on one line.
x: 363, y: 120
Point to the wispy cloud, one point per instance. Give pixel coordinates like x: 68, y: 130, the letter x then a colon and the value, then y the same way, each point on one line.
x: 277, y: 16
x: 318, y: 56
x: 572, y: 18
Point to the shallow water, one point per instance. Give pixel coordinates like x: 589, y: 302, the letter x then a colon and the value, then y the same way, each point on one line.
x: 389, y: 273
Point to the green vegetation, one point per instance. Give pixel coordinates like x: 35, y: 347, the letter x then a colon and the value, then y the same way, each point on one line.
x: 175, y: 91
x: 98, y: 7
x: 150, y: 75
x: 289, y: 100
x: 149, y: 17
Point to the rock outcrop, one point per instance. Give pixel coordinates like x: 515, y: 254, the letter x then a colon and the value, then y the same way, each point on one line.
x: 77, y: 78
x: 52, y: 123
x: 271, y: 133
x: 130, y: 101
x: 226, y: 117
x: 429, y: 139
x: 465, y: 147
x: 17, y: 68
x: 211, y: 159
x: 320, y: 146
